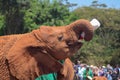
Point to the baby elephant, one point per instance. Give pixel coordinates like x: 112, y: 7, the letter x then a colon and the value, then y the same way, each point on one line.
x: 27, y: 56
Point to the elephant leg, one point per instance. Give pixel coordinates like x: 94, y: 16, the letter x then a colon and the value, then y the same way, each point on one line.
x: 67, y: 73
x: 60, y: 76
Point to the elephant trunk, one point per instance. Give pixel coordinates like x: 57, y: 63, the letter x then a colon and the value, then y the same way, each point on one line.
x: 82, y: 26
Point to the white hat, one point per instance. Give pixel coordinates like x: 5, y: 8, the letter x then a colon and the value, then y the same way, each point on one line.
x: 95, y: 23
x: 103, y: 66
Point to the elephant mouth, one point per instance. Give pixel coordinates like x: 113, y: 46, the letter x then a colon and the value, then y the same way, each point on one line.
x: 73, y: 48
x: 76, y: 44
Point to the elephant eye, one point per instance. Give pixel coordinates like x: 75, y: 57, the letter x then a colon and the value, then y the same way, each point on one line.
x: 60, y: 37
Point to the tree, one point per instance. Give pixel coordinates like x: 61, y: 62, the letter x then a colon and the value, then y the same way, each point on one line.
x: 23, y: 15
x: 105, y: 43
x: 1, y: 23
x: 13, y: 17
x: 45, y: 12
x: 98, y: 5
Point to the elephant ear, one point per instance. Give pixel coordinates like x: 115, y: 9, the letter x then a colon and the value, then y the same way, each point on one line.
x: 49, y: 64
x: 46, y: 62
x: 34, y: 61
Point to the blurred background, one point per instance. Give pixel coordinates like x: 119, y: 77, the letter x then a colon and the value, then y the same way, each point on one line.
x: 22, y: 16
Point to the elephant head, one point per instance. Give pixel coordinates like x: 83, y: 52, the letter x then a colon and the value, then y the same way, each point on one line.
x: 38, y: 52
x: 64, y: 41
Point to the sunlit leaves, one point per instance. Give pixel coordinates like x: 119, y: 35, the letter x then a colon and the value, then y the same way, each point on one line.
x: 45, y: 12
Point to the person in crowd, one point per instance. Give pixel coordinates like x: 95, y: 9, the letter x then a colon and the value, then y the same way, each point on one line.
x: 108, y: 74
x: 81, y: 71
x: 109, y: 67
x: 95, y: 70
x: 117, y: 69
x: 87, y: 74
x: 104, y: 70
x: 118, y: 77
x: 114, y: 75
x: 100, y: 71
x: 76, y: 68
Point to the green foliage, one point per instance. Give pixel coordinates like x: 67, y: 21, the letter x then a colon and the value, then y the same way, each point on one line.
x: 115, y: 57
x: 44, y: 12
x: 13, y: 17
x: 24, y: 16
x: 106, y: 42
x: 1, y: 23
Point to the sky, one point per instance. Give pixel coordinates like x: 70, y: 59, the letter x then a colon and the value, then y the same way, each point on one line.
x: 109, y: 3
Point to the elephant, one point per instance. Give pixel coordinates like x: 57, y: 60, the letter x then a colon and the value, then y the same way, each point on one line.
x: 99, y: 78
x: 29, y: 55
x: 66, y: 73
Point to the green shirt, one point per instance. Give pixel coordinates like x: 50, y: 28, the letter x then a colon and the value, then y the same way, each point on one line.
x: 87, y: 73
x: 51, y: 76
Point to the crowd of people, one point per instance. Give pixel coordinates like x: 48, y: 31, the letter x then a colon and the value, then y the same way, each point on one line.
x: 89, y: 72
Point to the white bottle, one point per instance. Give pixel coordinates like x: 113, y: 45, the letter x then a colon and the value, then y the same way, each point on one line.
x: 95, y: 23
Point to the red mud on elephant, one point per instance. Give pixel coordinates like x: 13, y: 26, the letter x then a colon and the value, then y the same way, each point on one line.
x: 27, y: 56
